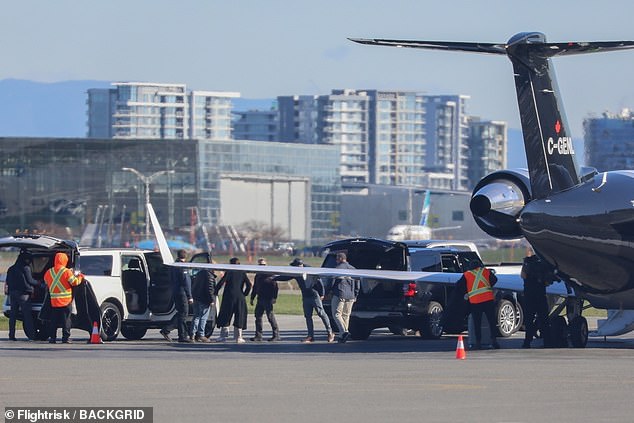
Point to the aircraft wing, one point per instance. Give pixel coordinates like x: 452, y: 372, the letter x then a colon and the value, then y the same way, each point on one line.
x: 508, y: 281
x: 508, y: 278
x: 324, y: 271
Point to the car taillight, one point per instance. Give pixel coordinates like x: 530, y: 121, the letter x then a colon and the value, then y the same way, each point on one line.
x: 409, y: 290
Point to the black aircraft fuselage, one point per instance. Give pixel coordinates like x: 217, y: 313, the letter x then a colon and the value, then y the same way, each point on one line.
x: 582, y: 224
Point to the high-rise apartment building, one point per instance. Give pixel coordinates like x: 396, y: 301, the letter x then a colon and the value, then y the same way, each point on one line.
x: 447, y: 133
x: 101, y: 103
x: 609, y: 141
x: 386, y: 137
x: 210, y: 114
x: 149, y: 110
x: 343, y: 119
x: 487, y: 148
x: 397, y: 137
x: 256, y: 125
x: 298, y: 119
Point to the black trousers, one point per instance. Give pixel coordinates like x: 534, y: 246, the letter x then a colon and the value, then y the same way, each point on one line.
x: 60, y: 317
x: 488, y: 308
x: 21, y: 301
x: 265, y: 305
x: 179, y: 321
x: 535, y: 317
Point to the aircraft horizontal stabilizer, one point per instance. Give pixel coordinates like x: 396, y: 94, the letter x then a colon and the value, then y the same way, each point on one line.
x: 542, y: 48
x: 435, y: 45
x: 568, y: 49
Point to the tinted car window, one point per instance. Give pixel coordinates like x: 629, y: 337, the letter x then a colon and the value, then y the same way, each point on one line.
x: 450, y: 264
x: 158, y: 271
x: 96, y: 265
x: 420, y: 260
x: 369, y: 257
x: 468, y: 255
x: 330, y: 261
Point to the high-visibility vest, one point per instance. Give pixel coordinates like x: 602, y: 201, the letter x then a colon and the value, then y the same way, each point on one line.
x: 478, y: 285
x: 60, y: 283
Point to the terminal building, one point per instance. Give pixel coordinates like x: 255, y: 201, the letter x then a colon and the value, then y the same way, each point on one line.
x: 61, y: 186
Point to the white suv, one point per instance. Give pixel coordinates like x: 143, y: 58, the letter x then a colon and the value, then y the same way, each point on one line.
x: 132, y: 286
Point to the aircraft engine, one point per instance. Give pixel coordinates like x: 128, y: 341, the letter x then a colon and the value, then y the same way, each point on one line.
x: 498, y: 200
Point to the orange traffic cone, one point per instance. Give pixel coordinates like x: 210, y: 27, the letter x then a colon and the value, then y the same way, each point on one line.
x: 95, y: 338
x: 461, y: 354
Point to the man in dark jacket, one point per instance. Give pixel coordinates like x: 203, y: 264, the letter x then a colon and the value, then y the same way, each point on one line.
x: 536, y: 275
x: 236, y: 287
x: 20, y: 285
x: 312, y: 296
x: 182, y: 292
x: 344, y: 293
x: 265, y: 289
x: 203, y: 292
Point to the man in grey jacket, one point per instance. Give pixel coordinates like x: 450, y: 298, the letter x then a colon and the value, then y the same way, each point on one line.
x: 344, y: 293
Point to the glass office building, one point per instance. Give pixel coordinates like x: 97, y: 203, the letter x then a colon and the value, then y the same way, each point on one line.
x: 61, y: 186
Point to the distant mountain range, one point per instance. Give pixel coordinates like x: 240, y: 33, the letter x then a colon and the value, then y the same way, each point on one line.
x: 37, y: 109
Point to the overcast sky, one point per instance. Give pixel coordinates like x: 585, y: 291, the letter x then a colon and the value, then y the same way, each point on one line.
x: 266, y: 48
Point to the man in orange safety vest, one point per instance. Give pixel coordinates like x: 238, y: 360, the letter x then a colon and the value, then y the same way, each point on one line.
x: 477, y: 283
x: 60, y: 281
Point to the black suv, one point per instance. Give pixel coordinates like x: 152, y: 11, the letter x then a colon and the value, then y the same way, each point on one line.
x: 415, y: 305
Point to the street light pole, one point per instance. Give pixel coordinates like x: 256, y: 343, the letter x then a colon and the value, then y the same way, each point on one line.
x: 147, y: 180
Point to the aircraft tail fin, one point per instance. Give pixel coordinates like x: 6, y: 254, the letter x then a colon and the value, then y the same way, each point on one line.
x: 166, y: 254
x: 424, y: 214
x: 547, y: 140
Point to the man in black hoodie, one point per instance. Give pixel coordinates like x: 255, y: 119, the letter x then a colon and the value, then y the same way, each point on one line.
x: 265, y: 289
x: 312, y: 295
x: 182, y: 292
x: 20, y: 285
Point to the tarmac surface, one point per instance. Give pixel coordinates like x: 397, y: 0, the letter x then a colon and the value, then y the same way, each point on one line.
x: 387, y: 378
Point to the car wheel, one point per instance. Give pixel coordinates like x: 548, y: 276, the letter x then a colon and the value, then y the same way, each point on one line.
x: 133, y: 333
x: 431, y: 327
x: 578, y: 329
x: 506, y: 318
x: 359, y: 331
x: 110, y: 321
